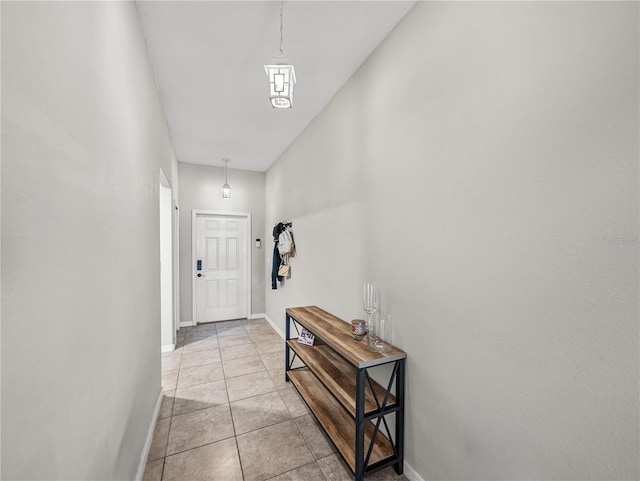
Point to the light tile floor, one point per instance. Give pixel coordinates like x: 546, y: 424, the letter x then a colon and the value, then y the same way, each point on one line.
x: 228, y: 414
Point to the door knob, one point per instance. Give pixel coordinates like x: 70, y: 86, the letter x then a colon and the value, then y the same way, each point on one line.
x: 200, y: 275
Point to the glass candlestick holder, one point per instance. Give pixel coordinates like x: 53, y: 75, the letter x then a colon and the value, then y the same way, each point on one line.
x: 370, y: 306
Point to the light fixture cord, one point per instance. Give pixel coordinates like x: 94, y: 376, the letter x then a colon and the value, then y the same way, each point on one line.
x: 281, y: 29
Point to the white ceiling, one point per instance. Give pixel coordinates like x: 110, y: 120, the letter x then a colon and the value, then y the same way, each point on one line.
x: 209, y: 57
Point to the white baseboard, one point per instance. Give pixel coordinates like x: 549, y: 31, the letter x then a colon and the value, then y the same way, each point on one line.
x: 168, y: 347
x: 275, y: 327
x: 147, y: 444
x: 186, y: 323
x: 411, y: 473
x: 259, y: 315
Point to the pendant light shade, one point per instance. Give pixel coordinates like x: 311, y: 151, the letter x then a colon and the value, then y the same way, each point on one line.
x: 226, y: 189
x: 282, y: 78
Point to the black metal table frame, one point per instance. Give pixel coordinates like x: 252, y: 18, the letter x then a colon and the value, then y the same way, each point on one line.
x: 363, y: 468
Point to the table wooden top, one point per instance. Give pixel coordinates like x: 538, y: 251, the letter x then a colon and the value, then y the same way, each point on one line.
x: 337, y: 334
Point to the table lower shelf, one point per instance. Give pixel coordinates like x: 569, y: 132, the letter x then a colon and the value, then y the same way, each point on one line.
x: 339, y: 377
x: 338, y: 424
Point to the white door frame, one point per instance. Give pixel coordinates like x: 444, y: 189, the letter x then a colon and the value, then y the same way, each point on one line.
x: 167, y: 313
x: 176, y: 266
x: 224, y: 213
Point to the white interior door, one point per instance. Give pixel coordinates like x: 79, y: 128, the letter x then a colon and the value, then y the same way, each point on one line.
x: 221, y: 279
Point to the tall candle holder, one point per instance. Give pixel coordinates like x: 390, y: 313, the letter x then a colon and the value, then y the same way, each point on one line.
x: 370, y: 307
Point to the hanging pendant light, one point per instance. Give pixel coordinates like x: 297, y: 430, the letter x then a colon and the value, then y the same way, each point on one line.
x: 226, y: 189
x: 282, y: 76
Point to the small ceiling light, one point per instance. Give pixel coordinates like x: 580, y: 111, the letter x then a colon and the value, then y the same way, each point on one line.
x: 226, y: 189
x: 282, y: 76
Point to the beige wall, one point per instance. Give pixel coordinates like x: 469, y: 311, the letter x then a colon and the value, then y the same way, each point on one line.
x: 482, y: 167
x: 201, y: 189
x: 83, y: 137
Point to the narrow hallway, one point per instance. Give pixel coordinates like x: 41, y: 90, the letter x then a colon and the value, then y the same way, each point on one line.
x: 228, y: 414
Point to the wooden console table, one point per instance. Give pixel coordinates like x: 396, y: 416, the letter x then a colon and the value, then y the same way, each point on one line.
x: 335, y: 383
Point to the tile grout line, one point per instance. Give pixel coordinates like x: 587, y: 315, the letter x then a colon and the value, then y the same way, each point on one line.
x: 197, y: 447
x: 235, y: 434
x: 164, y: 461
x: 234, y: 424
x: 312, y: 462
